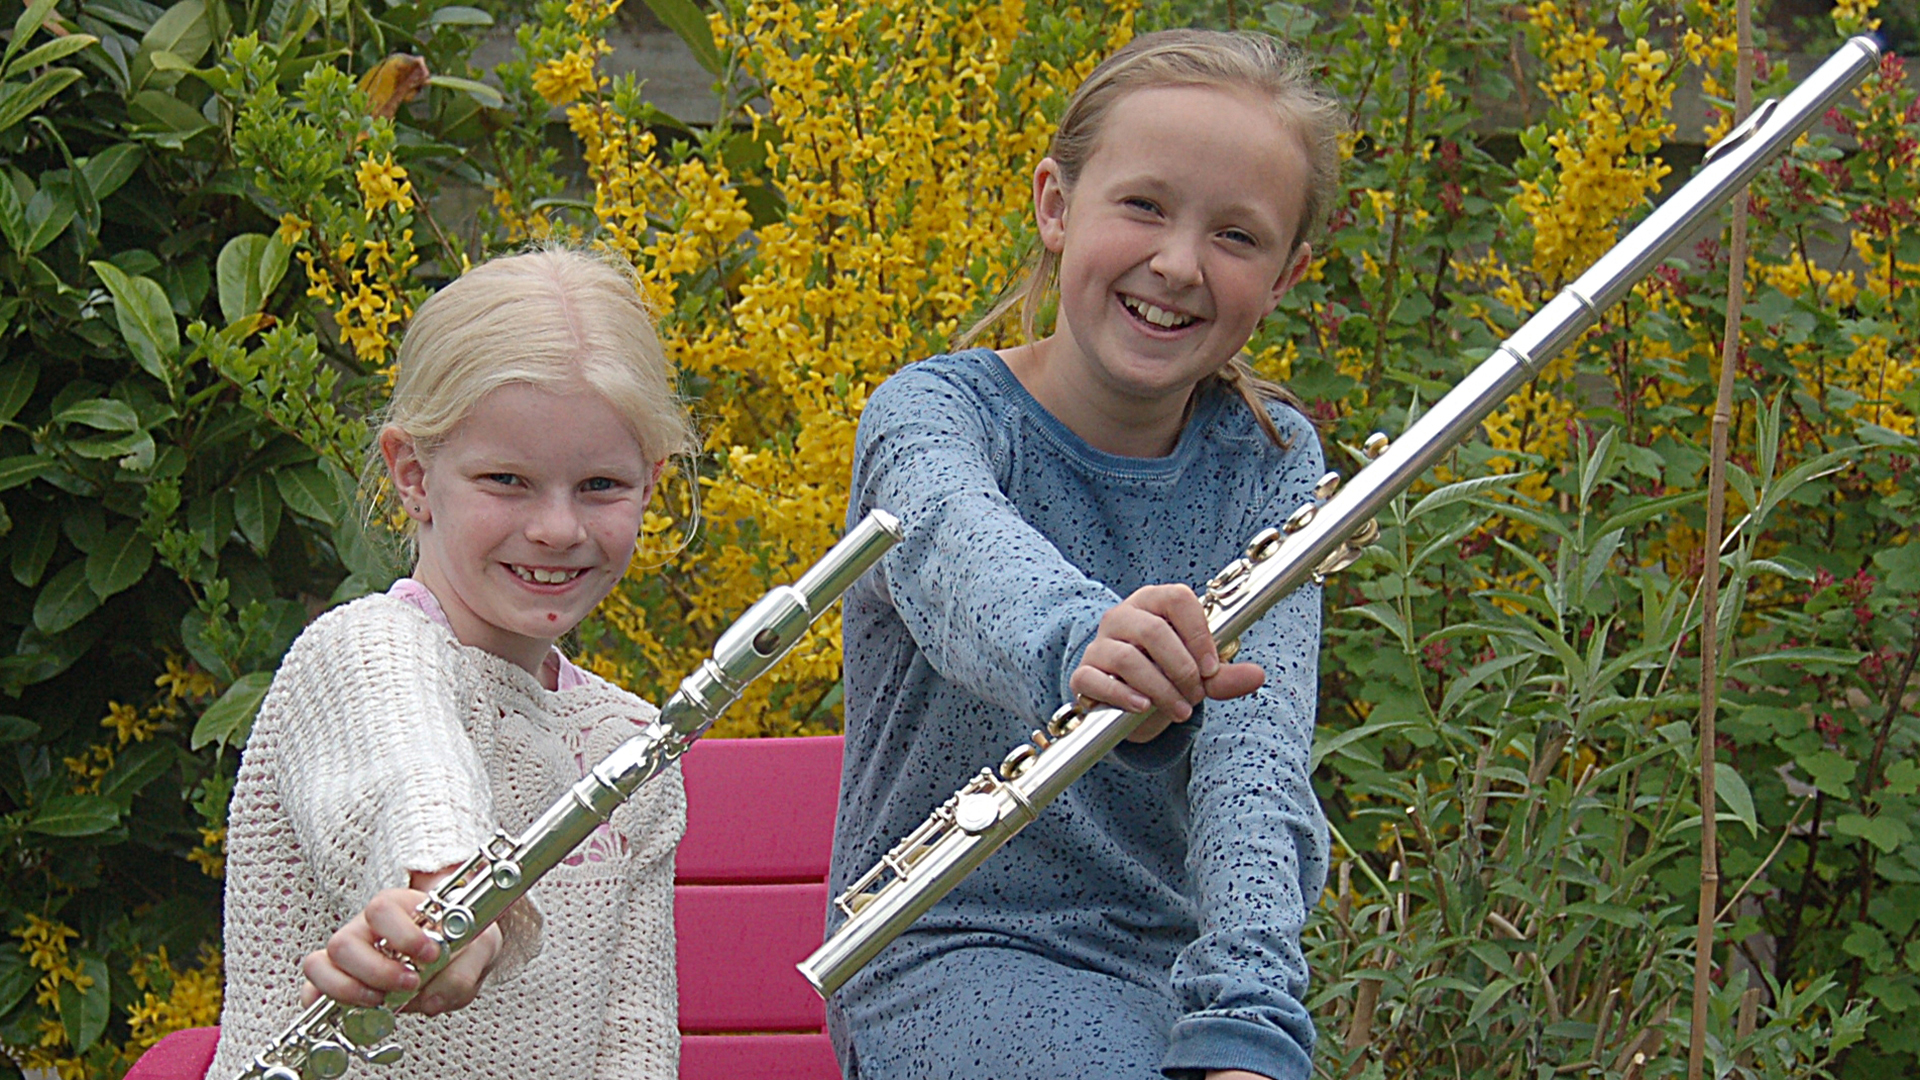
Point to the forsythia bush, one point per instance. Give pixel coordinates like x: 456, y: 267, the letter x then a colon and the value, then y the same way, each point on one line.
x: 217, y: 219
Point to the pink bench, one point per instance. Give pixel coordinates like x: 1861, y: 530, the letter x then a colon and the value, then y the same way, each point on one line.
x: 750, y: 901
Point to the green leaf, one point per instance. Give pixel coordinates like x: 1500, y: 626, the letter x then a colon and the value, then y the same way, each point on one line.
x: 33, y: 544
x: 137, y: 766
x: 20, y: 102
x: 110, y: 168
x: 688, y: 20
x: 256, y: 509
x: 49, y: 213
x: 27, y: 25
x: 1335, y: 743
x: 1865, y: 940
x: 456, y: 15
x: 15, y: 471
x: 1488, y: 997
x: 84, y: 1014
x: 13, y: 216
x: 16, y: 729
x: 145, y: 316
x: 249, y: 268
x: 105, y: 414
x: 182, y: 31
x: 1734, y: 796
x: 18, y: 379
x: 74, y: 815
x: 310, y: 491
x: 164, y: 112
x: 1903, y: 777
x: 16, y: 978
x: 1648, y: 510
x: 1806, y: 654
x: 120, y: 561
x: 229, y: 720
x: 1830, y: 771
x: 47, y: 53
x: 65, y: 599
x: 478, y: 91
x: 1460, y: 491
x: 1883, y: 831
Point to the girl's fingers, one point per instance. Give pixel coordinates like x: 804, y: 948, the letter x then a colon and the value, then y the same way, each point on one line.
x: 390, y: 919
x: 458, y: 984
x: 1236, y: 680
x: 1157, y: 640
x: 1127, y: 663
x: 1181, y: 609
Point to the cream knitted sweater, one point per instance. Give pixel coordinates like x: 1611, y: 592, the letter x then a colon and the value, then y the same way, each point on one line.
x: 386, y: 746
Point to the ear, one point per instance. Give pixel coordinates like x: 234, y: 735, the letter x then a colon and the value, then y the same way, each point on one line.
x: 1050, y: 204
x: 407, y: 471
x: 1296, y: 269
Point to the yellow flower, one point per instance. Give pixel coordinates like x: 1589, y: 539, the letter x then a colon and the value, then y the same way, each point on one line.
x: 568, y: 75
x: 291, y: 229
x: 382, y: 183
x: 45, y: 942
x: 183, y: 681
x: 127, y: 723
x: 210, y: 856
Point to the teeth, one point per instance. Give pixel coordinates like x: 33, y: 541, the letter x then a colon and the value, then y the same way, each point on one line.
x: 1157, y: 315
x: 546, y: 577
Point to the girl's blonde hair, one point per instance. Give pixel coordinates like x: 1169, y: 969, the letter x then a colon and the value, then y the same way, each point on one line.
x: 552, y: 318
x: 1246, y: 61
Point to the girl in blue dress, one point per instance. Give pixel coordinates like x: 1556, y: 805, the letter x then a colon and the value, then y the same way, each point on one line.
x: 1062, y: 501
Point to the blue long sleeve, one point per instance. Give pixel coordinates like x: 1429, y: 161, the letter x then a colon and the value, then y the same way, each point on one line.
x: 1182, y: 867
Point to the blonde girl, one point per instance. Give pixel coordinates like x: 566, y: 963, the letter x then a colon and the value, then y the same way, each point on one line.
x: 530, y: 421
x: 1062, y: 500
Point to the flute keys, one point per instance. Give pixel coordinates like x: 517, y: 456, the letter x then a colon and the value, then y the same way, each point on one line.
x: 976, y: 812
x: 279, y: 1072
x: 385, y: 1055
x: 326, y: 1060
x: 1264, y: 544
x: 366, y: 1026
x: 1376, y: 445
x: 1299, y: 519
x: 1017, y: 762
x: 1328, y: 484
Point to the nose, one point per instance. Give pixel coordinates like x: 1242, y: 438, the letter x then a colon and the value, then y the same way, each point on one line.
x: 557, y: 523
x: 1177, y: 259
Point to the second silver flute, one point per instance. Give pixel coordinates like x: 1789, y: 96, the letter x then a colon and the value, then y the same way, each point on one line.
x: 1320, y: 537
x: 325, y: 1039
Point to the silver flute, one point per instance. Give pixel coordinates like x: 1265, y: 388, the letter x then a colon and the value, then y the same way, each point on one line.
x: 328, y: 1036
x: 1322, y: 536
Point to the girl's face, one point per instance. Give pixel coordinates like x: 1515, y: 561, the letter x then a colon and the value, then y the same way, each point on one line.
x: 526, y: 516
x: 1175, y: 241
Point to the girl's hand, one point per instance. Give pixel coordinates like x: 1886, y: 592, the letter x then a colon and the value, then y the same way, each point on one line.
x: 1154, y: 651
x: 354, y: 970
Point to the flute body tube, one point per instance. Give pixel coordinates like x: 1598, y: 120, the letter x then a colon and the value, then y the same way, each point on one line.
x: 1322, y: 536
x: 326, y: 1038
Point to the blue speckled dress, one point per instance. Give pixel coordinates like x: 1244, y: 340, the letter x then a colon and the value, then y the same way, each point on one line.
x: 1149, y: 922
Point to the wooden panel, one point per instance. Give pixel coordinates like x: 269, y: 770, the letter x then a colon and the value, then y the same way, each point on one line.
x: 759, y: 1057
x: 759, y: 810
x: 737, y: 946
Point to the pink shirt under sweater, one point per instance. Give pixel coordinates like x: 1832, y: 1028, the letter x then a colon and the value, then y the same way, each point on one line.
x: 557, y: 668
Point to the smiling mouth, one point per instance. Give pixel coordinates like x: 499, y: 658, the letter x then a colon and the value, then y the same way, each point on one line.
x: 540, y: 576
x: 1156, y: 316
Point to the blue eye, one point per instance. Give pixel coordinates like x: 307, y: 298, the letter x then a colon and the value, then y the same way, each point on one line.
x: 1241, y: 236
x: 1143, y: 204
x: 505, y: 479
x: 600, y: 483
